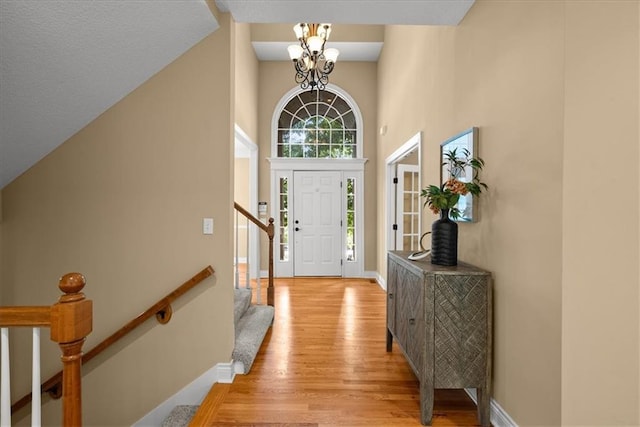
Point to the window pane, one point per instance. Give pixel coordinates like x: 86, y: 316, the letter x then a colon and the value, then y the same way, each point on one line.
x: 308, y: 97
x: 283, y: 210
x: 309, y: 151
x: 324, y: 151
x: 284, y: 151
x: 341, y: 105
x: 337, y: 137
x: 349, y: 151
x: 350, y: 205
x: 324, y: 136
x: 326, y: 96
x: 349, y: 120
x: 285, y: 120
x: 296, y: 151
x: 293, y: 105
x: 333, y: 114
x: 314, y: 121
x: 351, y: 220
x: 322, y: 109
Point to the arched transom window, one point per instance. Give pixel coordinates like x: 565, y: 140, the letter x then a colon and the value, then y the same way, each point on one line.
x: 317, y: 124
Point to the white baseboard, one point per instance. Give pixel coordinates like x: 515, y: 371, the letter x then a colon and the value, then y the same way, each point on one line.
x: 367, y: 275
x: 192, y: 394
x: 499, y: 417
x: 381, y: 280
x: 371, y: 275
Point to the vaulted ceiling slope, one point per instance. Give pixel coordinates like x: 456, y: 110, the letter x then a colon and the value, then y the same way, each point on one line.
x: 63, y: 63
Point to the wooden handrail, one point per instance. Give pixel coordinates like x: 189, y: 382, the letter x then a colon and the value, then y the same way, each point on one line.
x: 70, y: 321
x: 270, y: 230
x: 253, y: 219
x: 25, y: 316
x: 160, y: 309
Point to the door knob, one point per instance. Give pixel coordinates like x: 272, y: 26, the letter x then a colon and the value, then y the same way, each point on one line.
x: 296, y: 221
x: 297, y: 229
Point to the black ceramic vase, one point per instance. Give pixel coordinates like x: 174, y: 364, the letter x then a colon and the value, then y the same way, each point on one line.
x: 444, y: 240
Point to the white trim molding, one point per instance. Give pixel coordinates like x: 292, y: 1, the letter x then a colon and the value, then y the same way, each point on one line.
x: 278, y: 163
x: 413, y: 144
x: 254, y: 235
x: 499, y: 417
x: 191, y: 394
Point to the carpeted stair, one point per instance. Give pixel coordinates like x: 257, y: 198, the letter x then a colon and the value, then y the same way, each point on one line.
x: 180, y: 416
x: 251, y: 325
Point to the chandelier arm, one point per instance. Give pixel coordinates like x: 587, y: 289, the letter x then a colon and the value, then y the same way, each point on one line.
x: 312, y: 68
x: 327, y: 68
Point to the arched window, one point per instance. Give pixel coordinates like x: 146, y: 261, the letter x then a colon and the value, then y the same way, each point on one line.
x: 317, y: 125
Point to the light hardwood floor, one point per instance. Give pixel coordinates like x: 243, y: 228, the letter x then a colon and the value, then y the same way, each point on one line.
x: 323, y: 363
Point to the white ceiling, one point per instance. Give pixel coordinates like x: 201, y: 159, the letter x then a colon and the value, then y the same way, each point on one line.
x: 64, y: 62
x: 405, y: 12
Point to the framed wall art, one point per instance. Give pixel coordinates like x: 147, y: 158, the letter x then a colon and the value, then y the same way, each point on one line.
x: 464, y: 145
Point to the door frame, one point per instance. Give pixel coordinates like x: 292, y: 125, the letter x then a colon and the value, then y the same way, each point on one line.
x: 401, y: 168
x: 243, y: 143
x: 414, y: 143
x: 350, y: 168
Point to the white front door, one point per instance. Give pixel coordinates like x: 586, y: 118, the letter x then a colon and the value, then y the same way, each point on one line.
x: 317, y: 214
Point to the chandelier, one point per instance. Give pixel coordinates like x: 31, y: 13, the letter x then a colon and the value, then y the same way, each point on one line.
x: 313, y: 63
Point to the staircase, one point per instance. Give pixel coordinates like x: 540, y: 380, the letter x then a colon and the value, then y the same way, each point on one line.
x: 251, y: 325
x: 251, y: 322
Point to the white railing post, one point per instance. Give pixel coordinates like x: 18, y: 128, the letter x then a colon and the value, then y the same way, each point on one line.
x: 5, y: 387
x: 257, y: 243
x: 237, y: 272
x: 247, y: 251
x: 35, y: 380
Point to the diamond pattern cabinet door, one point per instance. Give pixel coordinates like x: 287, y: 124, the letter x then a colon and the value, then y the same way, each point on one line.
x: 460, y: 309
x: 411, y: 323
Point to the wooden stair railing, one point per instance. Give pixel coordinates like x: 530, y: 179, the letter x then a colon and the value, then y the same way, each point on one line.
x: 70, y: 321
x: 161, y: 310
x: 270, y: 230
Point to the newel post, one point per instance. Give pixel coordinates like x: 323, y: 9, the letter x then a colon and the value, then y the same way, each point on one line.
x: 71, y: 322
x: 270, y: 288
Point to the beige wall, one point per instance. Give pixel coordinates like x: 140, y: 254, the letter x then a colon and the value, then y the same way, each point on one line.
x: 600, y: 281
x: 122, y: 201
x: 359, y: 80
x: 246, y: 87
x: 565, y: 277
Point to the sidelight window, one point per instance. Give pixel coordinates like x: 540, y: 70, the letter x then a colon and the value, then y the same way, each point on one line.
x: 284, y: 219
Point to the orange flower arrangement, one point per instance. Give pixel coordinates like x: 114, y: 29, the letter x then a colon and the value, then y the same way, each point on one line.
x: 447, y: 196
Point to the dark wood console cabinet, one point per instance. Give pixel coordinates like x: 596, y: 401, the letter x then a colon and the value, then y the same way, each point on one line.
x: 441, y: 317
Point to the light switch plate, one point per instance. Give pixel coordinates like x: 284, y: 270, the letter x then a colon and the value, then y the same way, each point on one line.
x: 207, y: 225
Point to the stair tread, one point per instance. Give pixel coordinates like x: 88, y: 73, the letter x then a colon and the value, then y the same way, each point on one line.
x: 241, y: 303
x: 180, y: 416
x: 250, y: 332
